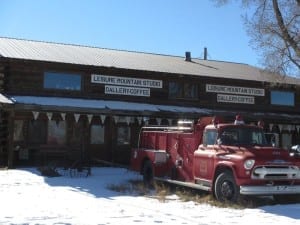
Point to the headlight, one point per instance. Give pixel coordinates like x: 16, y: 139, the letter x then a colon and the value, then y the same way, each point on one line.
x: 248, y: 164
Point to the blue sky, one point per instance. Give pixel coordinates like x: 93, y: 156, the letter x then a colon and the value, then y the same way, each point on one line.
x: 169, y: 27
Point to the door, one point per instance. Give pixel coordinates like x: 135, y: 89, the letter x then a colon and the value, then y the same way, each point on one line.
x: 205, y: 156
x: 100, y: 140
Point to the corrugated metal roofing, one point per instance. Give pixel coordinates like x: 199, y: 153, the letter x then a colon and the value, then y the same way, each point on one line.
x: 103, y: 104
x: 92, y: 56
x: 89, y: 104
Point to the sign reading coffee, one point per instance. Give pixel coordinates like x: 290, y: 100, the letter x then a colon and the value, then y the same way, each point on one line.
x: 235, y: 94
x: 126, y: 85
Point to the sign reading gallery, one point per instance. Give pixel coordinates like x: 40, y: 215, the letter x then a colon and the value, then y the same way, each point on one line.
x: 126, y: 85
x: 235, y: 94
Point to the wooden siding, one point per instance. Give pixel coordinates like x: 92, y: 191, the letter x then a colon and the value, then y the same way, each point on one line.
x: 3, y: 137
x: 27, y: 79
x: 18, y: 77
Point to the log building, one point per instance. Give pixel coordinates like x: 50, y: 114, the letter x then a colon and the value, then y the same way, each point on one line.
x: 56, y: 98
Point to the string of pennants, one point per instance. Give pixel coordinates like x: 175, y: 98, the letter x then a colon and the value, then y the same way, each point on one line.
x: 140, y: 119
x: 126, y: 119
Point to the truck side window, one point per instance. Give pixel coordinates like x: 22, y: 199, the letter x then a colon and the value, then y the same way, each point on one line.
x: 209, y: 137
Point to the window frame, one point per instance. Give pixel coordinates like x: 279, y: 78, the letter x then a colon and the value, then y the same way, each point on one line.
x: 183, y: 91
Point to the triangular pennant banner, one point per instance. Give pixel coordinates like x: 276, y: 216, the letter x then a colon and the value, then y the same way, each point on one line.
x: 76, y: 117
x: 35, y: 114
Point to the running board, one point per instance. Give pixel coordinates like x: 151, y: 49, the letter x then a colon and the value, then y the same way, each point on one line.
x: 185, y: 184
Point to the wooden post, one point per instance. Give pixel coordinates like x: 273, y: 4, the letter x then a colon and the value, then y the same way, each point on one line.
x: 10, y: 137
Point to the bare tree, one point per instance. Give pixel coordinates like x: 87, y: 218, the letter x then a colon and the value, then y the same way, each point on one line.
x: 274, y: 29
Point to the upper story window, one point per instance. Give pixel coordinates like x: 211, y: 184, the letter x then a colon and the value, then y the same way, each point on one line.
x: 183, y: 90
x: 284, y: 98
x: 62, y: 81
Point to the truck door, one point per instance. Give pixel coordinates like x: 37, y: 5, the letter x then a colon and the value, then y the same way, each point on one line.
x: 204, y: 156
x: 187, y: 146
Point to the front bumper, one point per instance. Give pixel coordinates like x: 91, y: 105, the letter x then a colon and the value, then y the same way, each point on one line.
x: 270, y: 190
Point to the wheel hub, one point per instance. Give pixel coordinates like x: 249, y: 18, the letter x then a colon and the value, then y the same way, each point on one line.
x: 227, y: 189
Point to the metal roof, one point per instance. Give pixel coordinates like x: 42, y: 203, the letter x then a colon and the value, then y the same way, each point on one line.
x: 74, y: 104
x: 57, y: 102
x: 91, y: 56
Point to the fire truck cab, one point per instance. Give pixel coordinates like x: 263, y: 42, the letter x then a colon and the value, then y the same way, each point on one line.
x: 226, y: 159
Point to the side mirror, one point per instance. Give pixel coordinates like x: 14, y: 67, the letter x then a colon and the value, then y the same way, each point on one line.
x: 273, y: 141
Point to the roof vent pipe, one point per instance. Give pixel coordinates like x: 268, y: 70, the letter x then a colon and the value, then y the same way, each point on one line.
x: 188, y: 56
x: 205, y: 53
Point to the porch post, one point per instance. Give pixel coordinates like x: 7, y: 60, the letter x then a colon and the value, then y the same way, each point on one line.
x: 10, y: 137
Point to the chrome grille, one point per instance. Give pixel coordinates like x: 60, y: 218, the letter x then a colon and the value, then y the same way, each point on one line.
x: 276, y: 172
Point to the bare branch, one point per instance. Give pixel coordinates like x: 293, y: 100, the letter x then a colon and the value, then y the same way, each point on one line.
x: 284, y: 29
x: 274, y: 29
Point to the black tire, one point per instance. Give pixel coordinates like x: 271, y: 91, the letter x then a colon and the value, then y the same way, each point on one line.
x: 147, y: 173
x: 174, y: 173
x: 225, y: 188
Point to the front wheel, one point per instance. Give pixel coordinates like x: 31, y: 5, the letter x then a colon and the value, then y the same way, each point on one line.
x: 225, y: 188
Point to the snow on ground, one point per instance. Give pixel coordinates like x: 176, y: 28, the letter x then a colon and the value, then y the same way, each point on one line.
x: 29, y: 198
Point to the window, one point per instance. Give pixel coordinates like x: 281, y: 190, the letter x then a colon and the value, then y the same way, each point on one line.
x: 210, y: 137
x: 18, y: 130
x: 97, y: 134
x: 282, y: 98
x: 123, y: 135
x: 76, y: 133
x: 56, y: 132
x: 183, y: 90
x: 286, y: 140
x: 62, y: 81
x: 37, y: 130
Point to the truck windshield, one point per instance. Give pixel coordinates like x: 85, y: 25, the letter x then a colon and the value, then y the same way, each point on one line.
x: 243, y: 136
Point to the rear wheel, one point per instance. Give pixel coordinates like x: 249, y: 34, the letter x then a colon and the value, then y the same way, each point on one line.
x: 147, y: 173
x: 225, y: 188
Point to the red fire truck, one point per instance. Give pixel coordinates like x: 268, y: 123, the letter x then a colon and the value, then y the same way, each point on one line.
x: 226, y: 159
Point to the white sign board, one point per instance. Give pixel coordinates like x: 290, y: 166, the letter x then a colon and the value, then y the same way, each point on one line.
x: 235, y: 90
x: 126, y: 81
x: 122, y: 90
x: 235, y: 99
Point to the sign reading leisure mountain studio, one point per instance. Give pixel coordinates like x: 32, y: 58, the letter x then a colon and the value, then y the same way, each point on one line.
x: 235, y: 94
x: 126, y: 85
